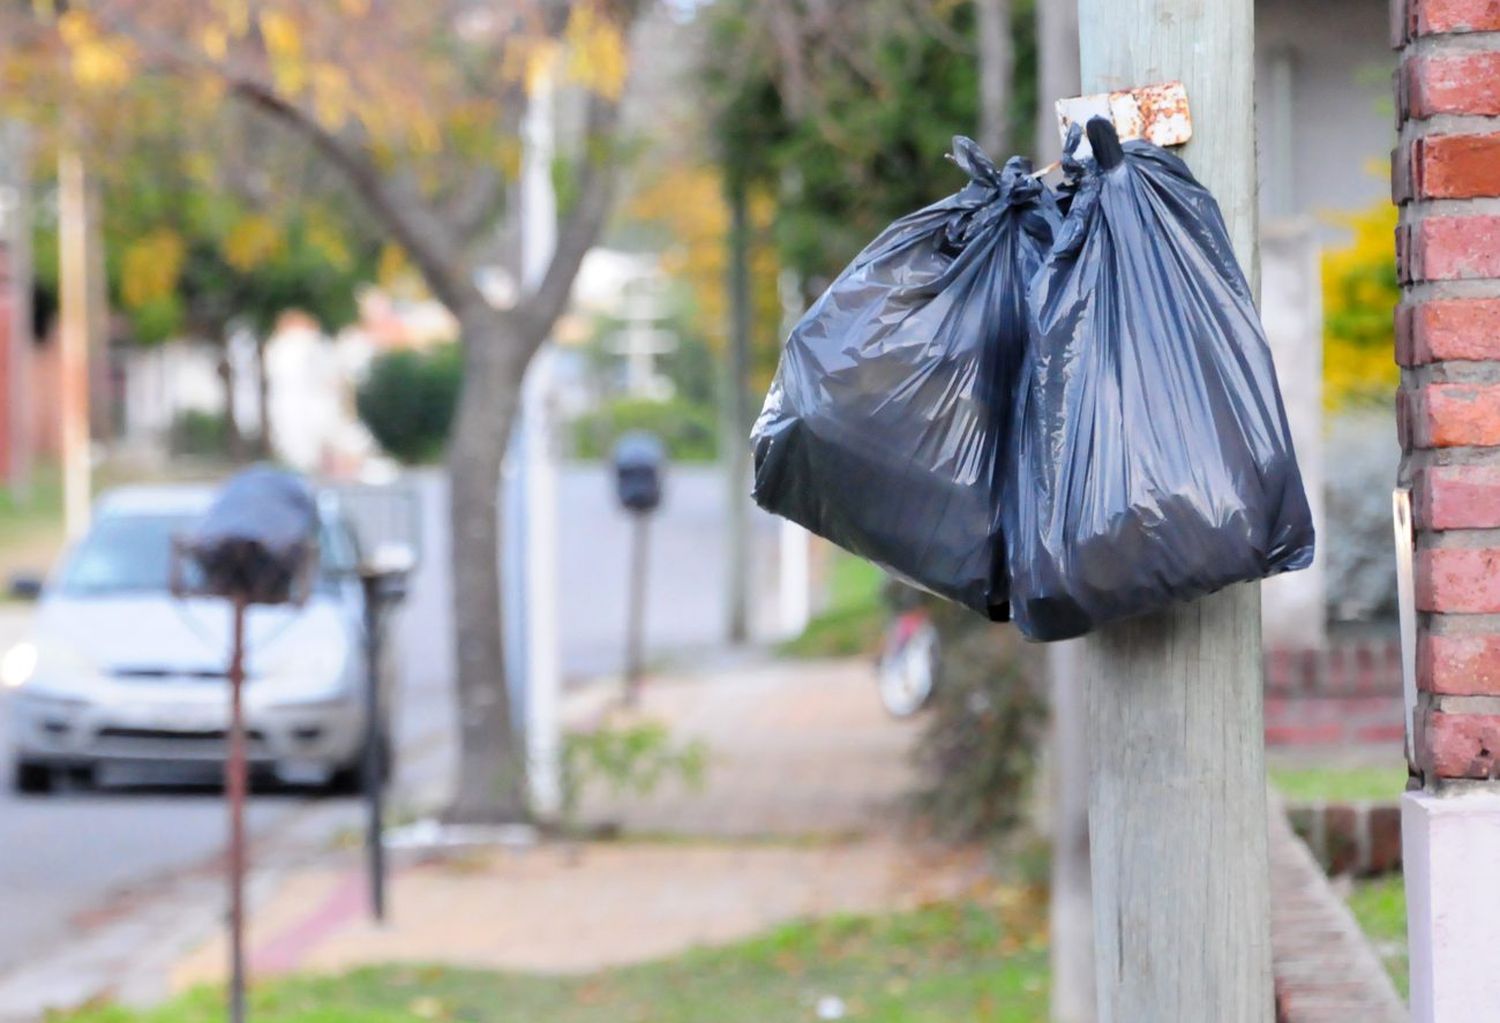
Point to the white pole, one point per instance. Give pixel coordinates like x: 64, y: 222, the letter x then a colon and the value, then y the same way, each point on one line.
x: 795, y: 578
x: 795, y: 596
x: 73, y: 338
x: 1070, y: 914
x: 1177, y: 802
x: 538, y: 239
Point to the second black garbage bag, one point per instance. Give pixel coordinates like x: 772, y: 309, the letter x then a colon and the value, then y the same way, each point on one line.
x: 885, y: 427
x: 1152, y: 460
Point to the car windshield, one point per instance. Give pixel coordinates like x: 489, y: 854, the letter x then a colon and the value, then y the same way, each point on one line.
x: 132, y: 553
x: 125, y: 554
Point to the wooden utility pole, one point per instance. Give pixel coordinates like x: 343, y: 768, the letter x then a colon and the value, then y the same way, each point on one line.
x: 16, y: 334
x: 1177, y: 802
x: 73, y: 337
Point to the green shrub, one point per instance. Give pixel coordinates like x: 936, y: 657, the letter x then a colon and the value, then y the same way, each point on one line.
x: 408, y: 399
x: 629, y: 759
x: 978, y: 749
x: 689, y: 430
x: 198, y: 434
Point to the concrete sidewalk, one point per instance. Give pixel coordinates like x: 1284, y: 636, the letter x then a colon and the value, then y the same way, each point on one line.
x: 799, y: 816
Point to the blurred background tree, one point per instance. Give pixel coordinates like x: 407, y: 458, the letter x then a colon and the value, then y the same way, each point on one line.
x: 214, y: 222
x: 417, y: 107
x: 845, y: 114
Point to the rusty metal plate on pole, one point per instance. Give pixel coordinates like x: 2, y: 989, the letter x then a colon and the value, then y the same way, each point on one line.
x: 1157, y: 113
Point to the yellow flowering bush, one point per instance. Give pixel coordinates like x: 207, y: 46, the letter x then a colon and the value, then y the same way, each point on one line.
x: 1360, y: 292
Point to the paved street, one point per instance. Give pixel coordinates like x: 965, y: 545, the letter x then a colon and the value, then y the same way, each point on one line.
x: 63, y: 857
x: 686, y: 588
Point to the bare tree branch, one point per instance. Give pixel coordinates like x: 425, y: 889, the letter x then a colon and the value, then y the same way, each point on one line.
x: 430, y: 243
x: 474, y: 205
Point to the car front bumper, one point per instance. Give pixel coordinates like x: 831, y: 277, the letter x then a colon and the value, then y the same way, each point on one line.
x: 320, y: 736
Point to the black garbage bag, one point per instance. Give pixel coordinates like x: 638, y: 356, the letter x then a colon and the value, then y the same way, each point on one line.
x: 258, y: 536
x: 884, y: 426
x: 1152, y: 461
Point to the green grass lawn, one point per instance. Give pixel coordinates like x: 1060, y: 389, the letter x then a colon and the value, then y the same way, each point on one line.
x: 31, y: 529
x: 943, y: 964
x: 1339, y: 783
x: 1380, y: 907
x: 854, y: 617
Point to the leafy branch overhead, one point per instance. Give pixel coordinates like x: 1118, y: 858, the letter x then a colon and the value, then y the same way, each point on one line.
x: 418, y: 106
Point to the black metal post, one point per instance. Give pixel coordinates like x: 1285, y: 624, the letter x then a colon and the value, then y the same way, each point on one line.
x: 236, y: 784
x: 375, y: 752
x: 635, y: 610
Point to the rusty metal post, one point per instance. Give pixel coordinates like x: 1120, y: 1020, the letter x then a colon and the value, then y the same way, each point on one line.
x: 236, y: 783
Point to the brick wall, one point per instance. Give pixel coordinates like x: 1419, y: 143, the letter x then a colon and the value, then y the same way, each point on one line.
x: 1362, y: 838
x: 1348, y: 694
x: 1446, y: 178
x: 1324, y: 967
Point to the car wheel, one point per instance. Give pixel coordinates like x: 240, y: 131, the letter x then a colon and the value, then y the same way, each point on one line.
x: 349, y: 780
x: 32, y: 779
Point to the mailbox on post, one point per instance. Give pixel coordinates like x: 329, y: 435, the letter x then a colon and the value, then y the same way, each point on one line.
x: 640, y: 462
x: 256, y: 544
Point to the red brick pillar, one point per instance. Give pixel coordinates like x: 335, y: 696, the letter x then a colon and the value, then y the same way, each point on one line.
x: 1446, y: 178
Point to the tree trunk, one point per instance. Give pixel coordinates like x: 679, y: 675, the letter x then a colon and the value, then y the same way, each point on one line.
x: 1057, y: 71
x: 491, y: 786
x: 996, y: 60
x: 263, y: 448
x: 234, y: 440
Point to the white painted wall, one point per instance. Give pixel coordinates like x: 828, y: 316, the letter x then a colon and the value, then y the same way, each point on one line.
x: 1294, y: 605
x: 1324, y: 114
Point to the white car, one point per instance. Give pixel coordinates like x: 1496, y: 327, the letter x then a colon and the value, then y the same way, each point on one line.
x: 119, y: 670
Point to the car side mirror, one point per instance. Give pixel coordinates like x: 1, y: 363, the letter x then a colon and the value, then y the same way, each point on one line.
x: 24, y: 586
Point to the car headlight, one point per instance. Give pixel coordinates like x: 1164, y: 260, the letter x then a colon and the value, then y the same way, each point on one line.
x: 47, y: 662
x: 18, y: 665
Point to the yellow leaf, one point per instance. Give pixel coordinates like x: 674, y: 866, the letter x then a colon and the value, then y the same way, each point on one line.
x: 236, y: 15
x: 284, y: 48
x: 596, y: 51
x: 214, y: 41
x: 252, y: 242
x: 393, y: 265
x: 97, y: 61
x: 150, y: 267
x: 280, y: 32
x: 329, y: 243
x: 332, y: 96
